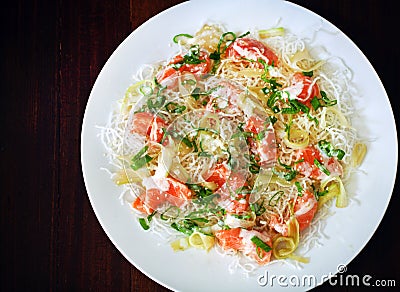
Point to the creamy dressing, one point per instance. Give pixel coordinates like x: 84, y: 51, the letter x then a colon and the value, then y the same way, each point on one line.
x: 294, y: 90
x: 250, y: 55
x: 307, y: 206
x: 153, y: 182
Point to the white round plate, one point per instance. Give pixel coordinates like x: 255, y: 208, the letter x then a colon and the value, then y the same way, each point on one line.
x: 347, y: 231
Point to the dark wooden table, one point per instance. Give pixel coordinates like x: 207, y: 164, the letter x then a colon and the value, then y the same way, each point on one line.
x: 52, y: 52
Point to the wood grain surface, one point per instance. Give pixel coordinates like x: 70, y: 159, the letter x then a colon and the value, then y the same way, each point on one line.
x: 52, y: 52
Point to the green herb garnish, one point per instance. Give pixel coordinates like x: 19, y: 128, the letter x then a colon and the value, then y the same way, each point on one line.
x: 185, y: 226
x: 228, y: 38
x: 192, y: 57
x: 261, y: 244
x: 299, y: 189
x: 324, y: 101
x: 258, y: 209
x: 273, y: 98
x: 327, y: 148
x: 243, y: 190
x: 295, y: 107
x: 272, y: 120
x: 275, y: 198
x: 288, y: 176
x: 309, y: 73
x: 144, y: 222
x: 196, y: 93
x: 254, y: 166
x: 321, y: 167
x: 171, y: 213
x: 173, y: 107
x: 140, y: 159
x: 158, y: 103
x: 317, y: 193
x: 176, y: 38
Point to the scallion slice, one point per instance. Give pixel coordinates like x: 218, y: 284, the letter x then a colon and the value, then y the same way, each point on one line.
x: 261, y: 244
x: 146, y: 90
x: 173, y: 107
x: 258, y: 209
x: 275, y: 198
x: 140, y: 159
x: 276, y: 31
x: 181, y: 35
x: 321, y: 167
x: 308, y: 74
x: 316, y: 103
x: 157, y: 104
x: 299, y: 189
x: 171, y: 213
x: 144, y: 224
x: 243, y: 35
x: 185, y: 226
x: 327, y: 148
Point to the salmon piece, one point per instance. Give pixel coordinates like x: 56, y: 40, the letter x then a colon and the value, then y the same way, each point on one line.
x: 147, y: 124
x: 261, y: 256
x: 174, y: 192
x: 203, y: 67
x: 154, y: 198
x: 225, y: 98
x: 178, y: 193
x: 305, y: 209
x: 235, y: 201
x: 168, y: 72
x: 229, y: 239
x: 279, y: 225
x: 308, y: 168
x: 239, y: 204
x: 334, y: 166
x: 236, y: 181
x: 239, y: 239
x: 141, y: 123
x: 251, y: 250
x: 219, y: 175
x: 306, y: 94
x: 156, y: 132
x: 254, y: 124
x: 266, y: 147
x: 251, y: 49
x: 139, y: 205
